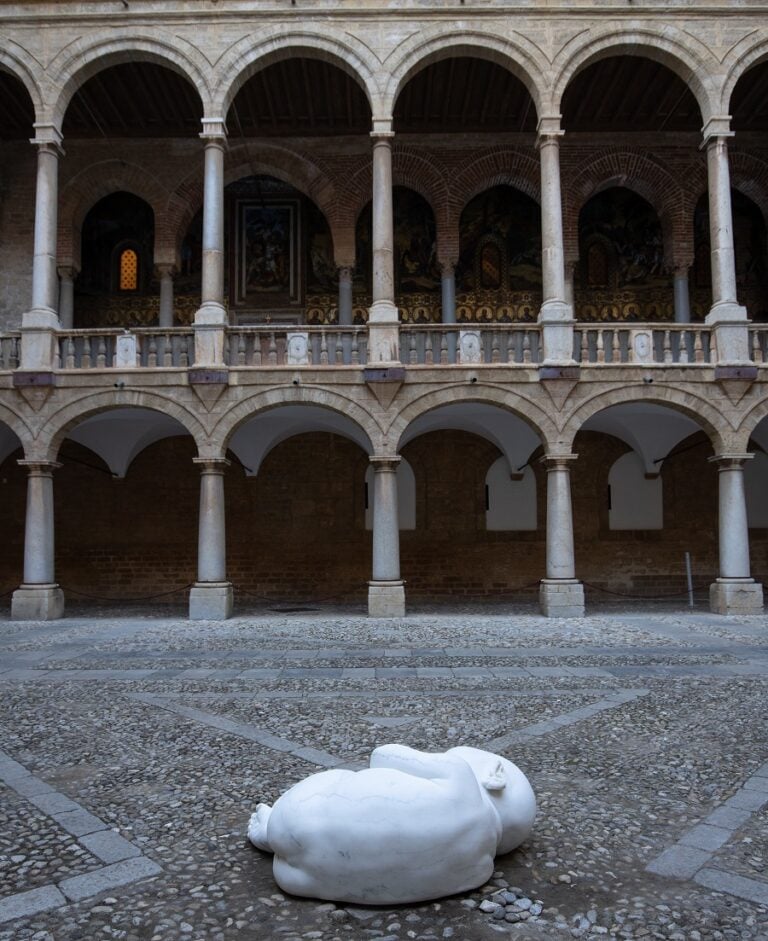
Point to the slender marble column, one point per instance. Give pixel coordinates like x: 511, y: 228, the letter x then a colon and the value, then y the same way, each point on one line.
x: 561, y: 595
x: 386, y: 594
x: 682, y: 300
x: 39, y: 597
x: 67, y: 276
x: 448, y: 284
x: 383, y: 337
x: 211, y: 318
x: 211, y: 596
x: 38, y: 340
x: 734, y: 592
x: 165, y: 273
x: 345, y: 296
x: 556, y: 316
x: 721, y: 223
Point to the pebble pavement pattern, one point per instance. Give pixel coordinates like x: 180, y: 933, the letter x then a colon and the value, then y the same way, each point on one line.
x: 133, y: 749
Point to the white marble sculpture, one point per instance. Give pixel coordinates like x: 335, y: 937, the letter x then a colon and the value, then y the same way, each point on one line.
x: 413, y: 826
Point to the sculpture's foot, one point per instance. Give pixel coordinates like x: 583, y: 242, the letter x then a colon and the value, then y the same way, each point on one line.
x: 257, y: 828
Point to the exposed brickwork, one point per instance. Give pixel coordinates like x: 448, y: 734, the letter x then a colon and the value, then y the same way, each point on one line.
x: 297, y: 531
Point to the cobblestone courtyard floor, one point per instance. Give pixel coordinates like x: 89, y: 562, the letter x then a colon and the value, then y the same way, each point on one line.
x: 133, y: 750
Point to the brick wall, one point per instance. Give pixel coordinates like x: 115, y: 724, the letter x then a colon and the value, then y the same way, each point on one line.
x: 297, y: 530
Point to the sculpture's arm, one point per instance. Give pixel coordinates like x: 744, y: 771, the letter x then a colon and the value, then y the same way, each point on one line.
x: 420, y: 764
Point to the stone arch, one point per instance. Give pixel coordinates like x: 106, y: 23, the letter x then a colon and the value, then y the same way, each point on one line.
x: 250, y: 55
x: 520, y: 406
x: 53, y: 432
x: 687, y: 57
x: 749, y: 175
x: 81, y: 193
x: 646, y: 177
x: 18, y: 425
x: 748, y: 52
x: 749, y: 422
x: 515, y: 54
x: 15, y: 64
x: 711, y: 421
x: 261, y: 402
x: 496, y: 167
x: 85, y: 57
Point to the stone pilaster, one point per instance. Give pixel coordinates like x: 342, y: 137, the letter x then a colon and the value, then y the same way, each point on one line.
x: 38, y: 598
x: 386, y: 591
x: 735, y: 591
x: 211, y: 598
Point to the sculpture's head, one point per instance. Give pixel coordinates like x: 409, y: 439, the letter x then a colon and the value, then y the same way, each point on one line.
x: 507, y: 791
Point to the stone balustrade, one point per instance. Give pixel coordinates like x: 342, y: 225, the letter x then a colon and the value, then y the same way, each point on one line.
x: 9, y: 350
x: 641, y: 344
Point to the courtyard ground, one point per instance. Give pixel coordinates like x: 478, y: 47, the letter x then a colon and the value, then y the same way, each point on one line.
x: 133, y: 749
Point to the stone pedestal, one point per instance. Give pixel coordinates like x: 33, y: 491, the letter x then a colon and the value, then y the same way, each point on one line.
x: 386, y: 599
x: 37, y: 603
x: 561, y: 598
x: 736, y: 596
x: 210, y: 601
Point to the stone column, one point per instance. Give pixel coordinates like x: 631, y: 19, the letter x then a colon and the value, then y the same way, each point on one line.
x: 211, y: 597
x: 682, y: 300
x: 726, y: 316
x: 556, y: 316
x: 166, y: 273
x: 386, y: 592
x: 345, y: 296
x: 211, y: 318
x: 383, y: 341
x: 561, y: 594
x: 734, y: 592
x: 67, y: 275
x: 38, y: 339
x: 38, y: 598
x: 448, y: 286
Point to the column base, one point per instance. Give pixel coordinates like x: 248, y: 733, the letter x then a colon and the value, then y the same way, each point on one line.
x: 386, y: 599
x: 736, y: 596
x: 210, y: 601
x: 561, y: 598
x: 37, y: 603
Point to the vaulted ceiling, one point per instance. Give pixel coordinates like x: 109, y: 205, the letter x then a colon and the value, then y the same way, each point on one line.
x: 307, y: 97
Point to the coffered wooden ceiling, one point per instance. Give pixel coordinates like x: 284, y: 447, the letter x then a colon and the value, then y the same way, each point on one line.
x: 307, y: 97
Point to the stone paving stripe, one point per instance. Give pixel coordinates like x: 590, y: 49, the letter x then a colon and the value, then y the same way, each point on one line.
x: 730, y: 817
x: 567, y: 718
x: 748, y: 800
x: 241, y: 729
x: 706, y: 837
x: 78, y: 888
x: 53, y: 803
x: 109, y: 846
x: 30, y: 903
x: 679, y: 862
x: 30, y: 786
x: 79, y: 822
x: 731, y: 884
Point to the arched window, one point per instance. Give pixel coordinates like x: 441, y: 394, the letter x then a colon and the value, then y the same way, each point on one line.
x: 128, y: 270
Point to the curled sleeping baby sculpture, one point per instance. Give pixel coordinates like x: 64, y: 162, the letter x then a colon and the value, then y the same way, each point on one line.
x: 412, y: 826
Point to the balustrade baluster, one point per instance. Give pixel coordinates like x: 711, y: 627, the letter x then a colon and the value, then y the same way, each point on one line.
x: 615, y: 347
x: 413, y: 357
x: 698, y: 348
x: 323, y: 349
x: 240, y: 358
x: 526, y: 347
x: 152, y: 353
x: 355, y: 349
x: 256, y: 358
x: 757, y: 351
x: 600, y: 346
x: 85, y: 360
x: 184, y: 351
x: 584, y: 346
x: 167, y: 351
x: 428, y: 359
x: 69, y: 359
x: 510, y: 346
x: 101, y: 353
x: 495, y: 352
x: 443, y: 348
x: 667, y: 347
x: 339, y: 353
x: 14, y: 353
x: 682, y: 352
x: 272, y: 349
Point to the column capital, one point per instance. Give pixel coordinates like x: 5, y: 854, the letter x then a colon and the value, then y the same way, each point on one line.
x: 548, y: 128
x: 730, y: 460
x: 716, y: 128
x: 67, y: 271
x: 557, y: 461
x: 39, y: 468
x: 214, y: 130
x: 48, y: 138
x: 166, y: 269
x: 382, y: 127
x: 345, y: 272
x: 383, y: 463
x: 447, y: 268
x: 211, y: 465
